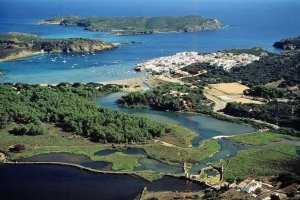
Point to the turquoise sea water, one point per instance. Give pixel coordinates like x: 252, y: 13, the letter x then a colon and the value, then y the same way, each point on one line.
x: 250, y: 24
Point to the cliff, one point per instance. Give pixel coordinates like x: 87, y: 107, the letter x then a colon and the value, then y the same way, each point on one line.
x: 288, y: 44
x: 18, y: 45
x: 138, y: 25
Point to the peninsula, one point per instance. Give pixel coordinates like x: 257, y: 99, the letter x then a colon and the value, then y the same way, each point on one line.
x: 288, y: 44
x: 137, y: 25
x: 18, y: 45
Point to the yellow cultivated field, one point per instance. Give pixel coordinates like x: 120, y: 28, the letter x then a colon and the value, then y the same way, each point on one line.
x: 229, y: 88
x: 223, y: 93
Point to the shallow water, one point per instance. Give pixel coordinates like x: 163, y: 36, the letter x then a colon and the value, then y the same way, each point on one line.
x: 251, y: 23
x: 228, y: 149
x: 204, y: 126
x: 154, y: 165
x: 60, y: 183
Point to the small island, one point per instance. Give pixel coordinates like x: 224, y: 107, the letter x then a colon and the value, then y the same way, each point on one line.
x: 288, y: 44
x: 137, y: 25
x: 19, y: 45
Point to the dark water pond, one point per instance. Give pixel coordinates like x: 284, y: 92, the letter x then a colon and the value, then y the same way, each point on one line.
x: 69, y: 158
x: 61, y: 183
x: 146, y: 163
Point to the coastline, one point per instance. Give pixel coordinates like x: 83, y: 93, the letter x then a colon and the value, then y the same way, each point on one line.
x: 135, y: 174
x: 129, y: 85
x: 22, y: 54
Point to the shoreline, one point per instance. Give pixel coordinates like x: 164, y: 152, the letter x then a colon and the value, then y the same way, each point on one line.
x: 134, y: 174
x: 20, y: 55
x: 140, y: 84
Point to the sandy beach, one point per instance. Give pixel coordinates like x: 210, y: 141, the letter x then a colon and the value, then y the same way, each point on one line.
x: 130, y: 85
x: 22, y: 54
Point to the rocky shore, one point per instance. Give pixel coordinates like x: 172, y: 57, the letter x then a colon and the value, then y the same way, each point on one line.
x: 19, y: 45
x: 288, y: 44
x: 120, y: 26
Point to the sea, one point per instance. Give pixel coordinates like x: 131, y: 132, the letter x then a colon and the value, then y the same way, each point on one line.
x: 249, y: 23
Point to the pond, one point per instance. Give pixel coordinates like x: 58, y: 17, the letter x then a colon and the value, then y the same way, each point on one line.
x: 60, y: 183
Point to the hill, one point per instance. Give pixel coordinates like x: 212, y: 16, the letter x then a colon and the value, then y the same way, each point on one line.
x: 16, y: 45
x: 288, y: 44
x: 138, y: 25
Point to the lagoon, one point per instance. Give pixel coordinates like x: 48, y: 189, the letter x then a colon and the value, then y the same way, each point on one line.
x: 206, y: 127
x: 37, y: 182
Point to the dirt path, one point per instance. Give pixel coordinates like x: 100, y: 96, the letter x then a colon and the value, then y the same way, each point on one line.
x: 220, y: 105
x: 166, y: 144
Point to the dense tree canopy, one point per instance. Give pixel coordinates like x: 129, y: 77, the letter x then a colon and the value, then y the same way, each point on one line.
x: 171, y: 96
x: 266, y: 92
x: 281, y: 113
x: 273, y: 67
x: 72, y: 108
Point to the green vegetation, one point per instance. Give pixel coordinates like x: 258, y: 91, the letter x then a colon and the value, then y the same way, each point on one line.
x: 197, y: 68
x: 272, y: 67
x: 260, y: 138
x: 287, y: 179
x: 55, y: 140
x: 256, y: 163
x: 266, y: 92
x: 288, y: 44
x: 170, y: 96
x: 121, y: 161
x: 138, y: 25
x: 12, y: 44
x: 181, y: 137
x: 177, y: 97
x: 257, y: 51
x: 149, y: 175
x: 281, y: 113
x: 283, y: 68
x: 29, y: 129
x: 175, y: 155
x: 72, y: 108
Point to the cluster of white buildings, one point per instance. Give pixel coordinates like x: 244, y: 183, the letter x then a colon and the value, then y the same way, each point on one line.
x: 174, y: 64
x: 257, y: 189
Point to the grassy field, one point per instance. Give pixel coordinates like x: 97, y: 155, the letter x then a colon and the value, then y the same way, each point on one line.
x: 149, y: 175
x: 261, y: 138
x: 182, y: 138
x: 54, y: 138
x: 267, y: 162
x: 175, y: 155
x: 121, y: 161
x: 247, y: 163
x: 58, y: 141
